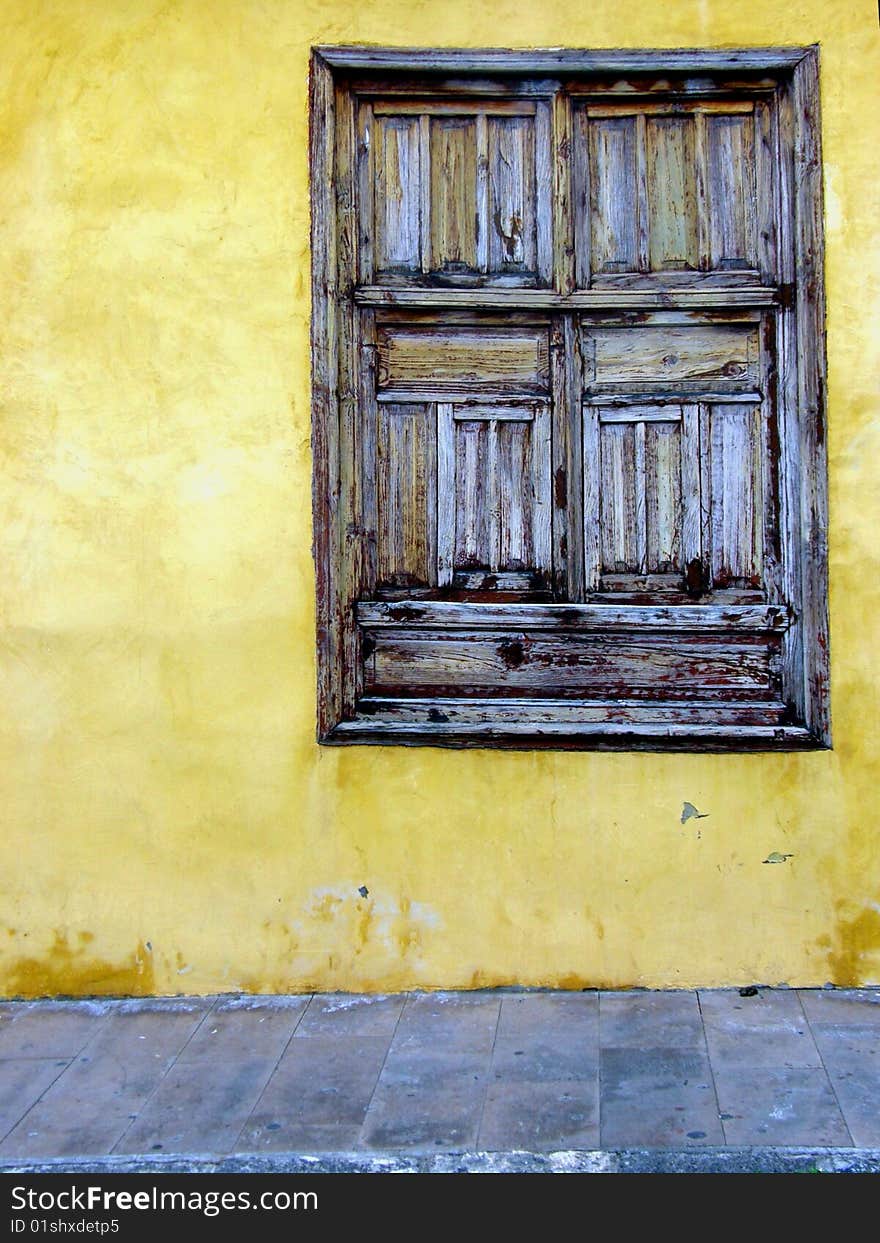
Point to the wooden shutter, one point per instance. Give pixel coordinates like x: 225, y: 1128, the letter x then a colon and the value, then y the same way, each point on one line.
x: 456, y: 190
x: 568, y: 358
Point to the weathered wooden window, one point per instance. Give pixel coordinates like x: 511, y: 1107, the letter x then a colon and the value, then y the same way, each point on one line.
x: 568, y: 368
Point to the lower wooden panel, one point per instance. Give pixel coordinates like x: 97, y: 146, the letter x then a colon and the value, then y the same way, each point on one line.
x: 572, y: 676
x: 564, y: 726
x: 566, y: 665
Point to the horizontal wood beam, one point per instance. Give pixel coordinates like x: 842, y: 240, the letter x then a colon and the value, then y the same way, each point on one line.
x: 590, y: 735
x: 555, y: 60
x: 547, y: 299
x: 632, y: 617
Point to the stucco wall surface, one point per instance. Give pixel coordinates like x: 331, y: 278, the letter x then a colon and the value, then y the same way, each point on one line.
x: 168, y: 821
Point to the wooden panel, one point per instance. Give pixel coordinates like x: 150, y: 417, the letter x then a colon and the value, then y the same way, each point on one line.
x: 453, y: 180
x: 407, y: 499
x: 494, y: 486
x: 736, y: 534
x: 621, y: 487
x: 672, y: 209
x: 612, y: 196
x: 668, y: 355
x: 663, y: 504
x: 475, y: 458
x: 397, y: 193
x: 503, y: 360
x: 731, y: 191
x: 515, y: 496
x: 568, y: 665
x: 512, y: 223
x: 641, y: 474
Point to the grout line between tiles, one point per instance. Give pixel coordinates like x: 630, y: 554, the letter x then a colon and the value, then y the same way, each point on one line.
x: 256, y: 1104
x: 66, y: 1066
x: 711, y: 1065
x: 843, y: 1116
x: 479, y: 1131
x: 68, y: 1062
x: 599, y: 1059
x: 164, y: 1075
x: 406, y: 999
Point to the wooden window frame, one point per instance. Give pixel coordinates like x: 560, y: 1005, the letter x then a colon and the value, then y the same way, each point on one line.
x: 342, y: 370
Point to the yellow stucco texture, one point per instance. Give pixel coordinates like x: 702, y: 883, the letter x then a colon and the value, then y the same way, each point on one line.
x: 168, y: 821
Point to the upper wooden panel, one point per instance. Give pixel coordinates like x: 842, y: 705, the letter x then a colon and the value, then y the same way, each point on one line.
x: 462, y: 360
x: 455, y: 192
x: 673, y: 193
x: 656, y: 357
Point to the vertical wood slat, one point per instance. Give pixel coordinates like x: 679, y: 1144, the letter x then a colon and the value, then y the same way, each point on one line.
x: 672, y: 229
x: 511, y: 222
x: 368, y: 212
x: 793, y: 649
x: 812, y: 450
x: 490, y: 536
x: 731, y: 168
x: 592, y: 489
x: 769, y: 422
x: 483, y: 224
x: 581, y: 190
x: 453, y: 182
x: 425, y: 220
x: 369, y: 465
x: 705, y: 475
x: 563, y: 227
x: 349, y: 524
x: 446, y: 503
x: 574, y: 446
x: 691, y: 523
x: 611, y: 154
x: 703, y: 202
x: 325, y: 409
x: 564, y: 484
x: 512, y: 508
x: 567, y: 460
x: 766, y: 181
x: 642, y: 202
x: 541, y: 499
x: 541, y: 192
x: 639, y: 488
x: 396, y: 164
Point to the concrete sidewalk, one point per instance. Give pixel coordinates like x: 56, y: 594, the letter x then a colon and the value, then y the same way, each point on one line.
x: 508, y: 1079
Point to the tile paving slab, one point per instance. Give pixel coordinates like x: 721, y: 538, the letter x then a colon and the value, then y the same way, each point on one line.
x: 651, y: 1020
x: 424, y: 1077
x: 788, y: 1107
x: 91, y: 1104
x: 851, y: 1054
x: 658, y: 1097
x: 769, y: 1029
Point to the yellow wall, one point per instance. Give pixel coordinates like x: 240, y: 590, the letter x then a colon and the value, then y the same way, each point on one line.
x: 169, y: 823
